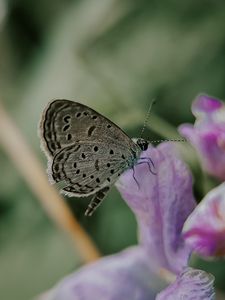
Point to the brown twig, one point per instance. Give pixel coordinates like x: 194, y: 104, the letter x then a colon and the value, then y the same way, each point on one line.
x: 18, y: 150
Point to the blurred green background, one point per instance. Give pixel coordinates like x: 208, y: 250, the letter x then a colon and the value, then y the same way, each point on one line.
x: 115, y: 56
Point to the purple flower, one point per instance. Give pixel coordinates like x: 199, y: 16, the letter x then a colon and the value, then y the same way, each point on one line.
x: 204, y: 229
x: 208, y: 134
x: 158, y: 267
x: 191, y: 284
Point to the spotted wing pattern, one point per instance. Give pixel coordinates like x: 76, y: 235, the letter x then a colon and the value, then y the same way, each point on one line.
x: 65, y: 122
x: 85, y: 150
x: 87, y: 167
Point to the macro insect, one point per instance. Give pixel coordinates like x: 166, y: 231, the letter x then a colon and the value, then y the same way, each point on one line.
x: 85, y: 150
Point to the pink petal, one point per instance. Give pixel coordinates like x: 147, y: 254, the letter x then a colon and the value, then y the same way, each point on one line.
x: 205, y: 104
x: 188, y: 131
x: 208, y: 134
x: 204, y: 229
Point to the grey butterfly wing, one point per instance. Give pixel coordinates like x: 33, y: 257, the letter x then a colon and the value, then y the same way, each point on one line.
x: 64, y: 122
x: 88, y: 166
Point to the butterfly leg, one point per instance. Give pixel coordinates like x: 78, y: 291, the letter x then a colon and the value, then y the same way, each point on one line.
x: 149, y: 166
x: 135, y: 178
x: 149, y: 159
x: 96, y: 201
x: 149, y: 162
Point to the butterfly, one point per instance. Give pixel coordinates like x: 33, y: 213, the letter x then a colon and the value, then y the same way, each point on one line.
x: 85, y: 150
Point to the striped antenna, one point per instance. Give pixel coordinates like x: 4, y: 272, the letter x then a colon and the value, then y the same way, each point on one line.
x: 167, y: 140
x: 145, y: 124
x: 147, y: 117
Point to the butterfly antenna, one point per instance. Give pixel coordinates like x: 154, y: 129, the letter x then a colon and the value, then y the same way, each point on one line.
x: 147, y: 117
x: 145, y: 124
x: 167, y: 140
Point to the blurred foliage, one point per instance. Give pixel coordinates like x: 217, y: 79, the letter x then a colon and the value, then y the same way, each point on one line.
x: 114, y: 56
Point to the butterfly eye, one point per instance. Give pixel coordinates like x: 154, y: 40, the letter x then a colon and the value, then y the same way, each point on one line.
x: 142, y: 144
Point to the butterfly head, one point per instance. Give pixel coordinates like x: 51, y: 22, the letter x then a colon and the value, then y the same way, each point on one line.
x: 143, y: 144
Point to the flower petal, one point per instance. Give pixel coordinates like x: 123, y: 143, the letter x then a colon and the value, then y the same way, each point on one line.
x: 126, y: 275
x: 204, y: 229
x: 205, y: 104
x: 208, y: 134
x: 161, y: 203
x: 191, y: 284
